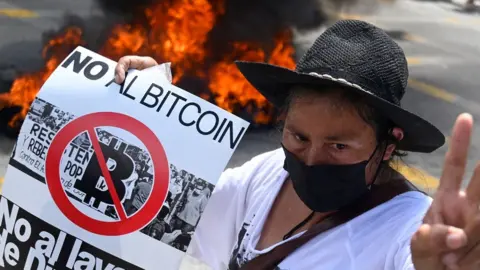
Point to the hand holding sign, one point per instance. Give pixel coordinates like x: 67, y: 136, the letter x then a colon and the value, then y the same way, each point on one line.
x: 132, y: 62
x: 140, y: 63
x: 450, y: 235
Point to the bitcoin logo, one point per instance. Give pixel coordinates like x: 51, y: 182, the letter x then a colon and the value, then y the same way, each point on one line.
x: 120, y: 167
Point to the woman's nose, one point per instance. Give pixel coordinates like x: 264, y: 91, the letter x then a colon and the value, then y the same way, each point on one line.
x: 316, y: 155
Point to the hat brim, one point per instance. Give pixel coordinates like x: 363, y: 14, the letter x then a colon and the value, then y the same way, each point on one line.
x: 275, y: 82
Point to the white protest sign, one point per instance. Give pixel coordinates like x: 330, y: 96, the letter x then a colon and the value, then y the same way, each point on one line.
x: 111, y: 177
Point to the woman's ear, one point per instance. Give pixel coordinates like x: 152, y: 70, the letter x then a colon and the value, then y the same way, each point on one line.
x: 397, y: 133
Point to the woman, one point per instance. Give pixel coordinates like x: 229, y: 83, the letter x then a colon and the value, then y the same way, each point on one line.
x: 342, y: 125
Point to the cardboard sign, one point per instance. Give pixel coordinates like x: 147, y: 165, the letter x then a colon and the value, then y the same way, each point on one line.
x: 105, y: 176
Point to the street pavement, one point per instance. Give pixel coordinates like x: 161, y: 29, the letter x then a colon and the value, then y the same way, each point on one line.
x: 442, y: 44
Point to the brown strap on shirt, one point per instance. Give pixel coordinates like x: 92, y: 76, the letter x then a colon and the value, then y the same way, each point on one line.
x: 377, y: 195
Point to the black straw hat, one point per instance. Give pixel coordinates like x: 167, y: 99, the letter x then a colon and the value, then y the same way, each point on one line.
x: 362, y: 57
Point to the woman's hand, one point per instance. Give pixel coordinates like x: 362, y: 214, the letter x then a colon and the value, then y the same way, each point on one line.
x: 132, y: 61
x: 449, y: 237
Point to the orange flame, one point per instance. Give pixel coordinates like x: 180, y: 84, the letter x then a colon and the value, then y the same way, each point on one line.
x: 230, y: 87
x: 25, y: 88
x: 177, y: 32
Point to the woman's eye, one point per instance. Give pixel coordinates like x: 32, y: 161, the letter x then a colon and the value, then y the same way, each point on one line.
x: 339, y: 146
x: 300, y: 138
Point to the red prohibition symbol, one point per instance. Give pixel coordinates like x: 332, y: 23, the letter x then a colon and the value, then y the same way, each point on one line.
x: 88, y: 123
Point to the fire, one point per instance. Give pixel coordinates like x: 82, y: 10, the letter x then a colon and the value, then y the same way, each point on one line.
x: 177, y: 32
x: 232, y: 90
x: 180, y: 33
x: 24, y: 89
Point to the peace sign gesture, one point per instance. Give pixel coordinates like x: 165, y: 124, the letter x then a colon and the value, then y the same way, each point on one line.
x: 449, y: 237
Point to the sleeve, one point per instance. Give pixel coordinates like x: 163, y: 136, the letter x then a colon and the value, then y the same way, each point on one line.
x: 216, y: 233
x: 403, y: 256
x: 399, y: 256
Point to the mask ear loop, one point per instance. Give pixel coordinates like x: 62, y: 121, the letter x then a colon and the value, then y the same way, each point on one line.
x: 299, y: 225
x: 373, y: 153
x: 379, y: 164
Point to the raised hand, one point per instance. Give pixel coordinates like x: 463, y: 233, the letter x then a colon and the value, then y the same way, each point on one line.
x: 449, y: 237
x: 132, y: 62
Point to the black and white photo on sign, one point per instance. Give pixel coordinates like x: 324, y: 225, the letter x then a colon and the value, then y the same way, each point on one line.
x: 42, y: 123
x: 131, y: 171
x: 187, y: 198
x: 48, y: 115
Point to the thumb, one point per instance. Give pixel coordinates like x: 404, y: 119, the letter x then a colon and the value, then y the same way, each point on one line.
x: 432, y: 240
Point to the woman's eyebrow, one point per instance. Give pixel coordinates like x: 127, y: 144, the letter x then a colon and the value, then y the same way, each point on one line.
x: 344, y: 136
x: 294, y: 130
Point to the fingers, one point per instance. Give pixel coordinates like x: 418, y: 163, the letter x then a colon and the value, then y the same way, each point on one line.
x: 431, y: 240
x: 132, y: 62
x: 473, y: 188
x: 471, y: 261
x: 433, y: 215
x: 472, y: 231
x: 456, y: 157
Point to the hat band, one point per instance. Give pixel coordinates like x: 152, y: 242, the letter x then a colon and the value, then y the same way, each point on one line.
x: 347, y: 78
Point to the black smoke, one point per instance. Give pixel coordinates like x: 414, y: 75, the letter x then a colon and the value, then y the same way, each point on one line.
x: 260, y: 20
x: 124, y: 8
x: 256, y: 21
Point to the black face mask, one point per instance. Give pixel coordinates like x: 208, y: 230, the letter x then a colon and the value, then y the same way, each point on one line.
x: 325, y: 188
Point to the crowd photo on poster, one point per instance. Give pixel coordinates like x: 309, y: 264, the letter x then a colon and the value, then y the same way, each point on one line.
x: 186, y: 199
x: 42, y: 122
x: 48, y: 115
x: 131, y: 170
x: 180, y: 214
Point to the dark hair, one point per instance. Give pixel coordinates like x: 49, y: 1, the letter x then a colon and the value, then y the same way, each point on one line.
x: 382, y: 126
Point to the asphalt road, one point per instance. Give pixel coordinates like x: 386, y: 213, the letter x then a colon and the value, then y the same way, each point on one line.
x: 442, y: 45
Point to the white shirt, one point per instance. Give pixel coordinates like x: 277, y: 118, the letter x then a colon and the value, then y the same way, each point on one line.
x: 231, y: 224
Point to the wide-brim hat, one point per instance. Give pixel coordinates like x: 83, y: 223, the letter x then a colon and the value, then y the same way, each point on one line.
x: 364, y: 59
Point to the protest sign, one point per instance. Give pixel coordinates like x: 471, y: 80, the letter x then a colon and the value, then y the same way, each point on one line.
x: 111, y: 177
